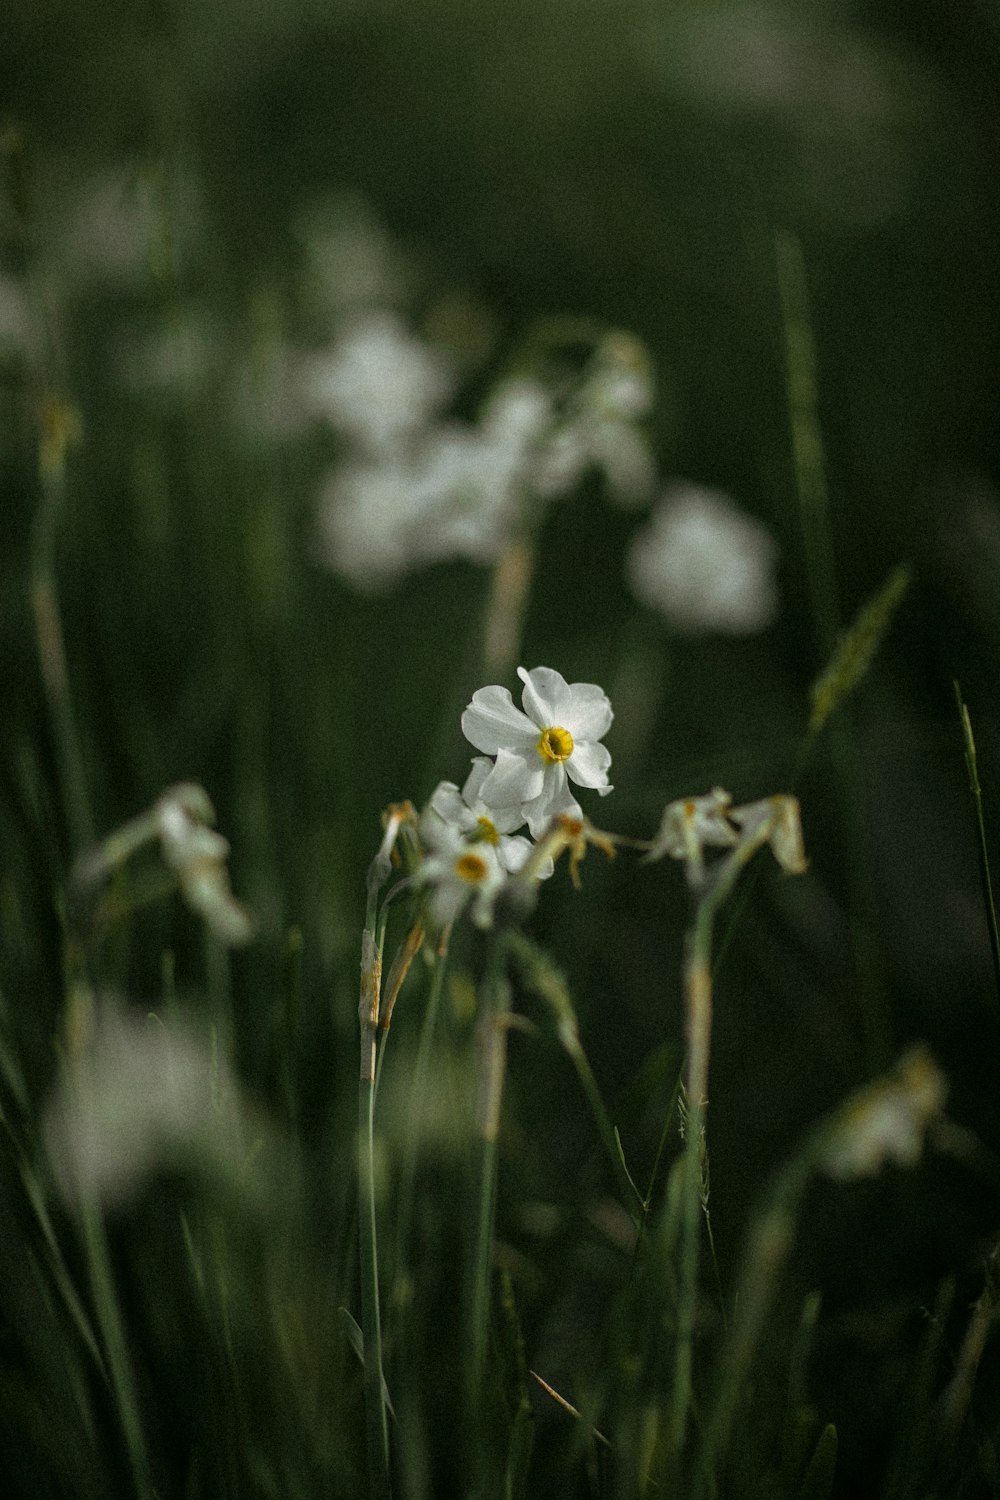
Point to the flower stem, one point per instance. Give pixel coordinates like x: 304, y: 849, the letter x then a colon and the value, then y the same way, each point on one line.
x: 377, y: 1421
x: 493, y: 1027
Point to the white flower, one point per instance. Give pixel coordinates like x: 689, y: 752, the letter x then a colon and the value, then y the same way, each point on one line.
x: 704, y: 564
x: 466, y: 811
x: 691, y: 824
x: 378, y: 386
x: 555, y: 739
x: 458, y: 871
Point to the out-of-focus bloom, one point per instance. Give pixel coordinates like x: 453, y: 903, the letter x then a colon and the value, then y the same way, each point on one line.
x: 197, y: 854
x: 538, y: 751
x: 459, y: 873
x: 705, y: 564
x: 691, y: 824
x: 367, y: 520
x: 598, y: 428
x: 350, y: 261
x: 122, y: 227
x: 887, y: 1120
x: 378, y: 385
x: 455, y: 493
x: 17, y: 330
x: 141, y: 1094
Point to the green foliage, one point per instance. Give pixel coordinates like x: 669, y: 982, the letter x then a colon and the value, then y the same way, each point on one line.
x: 792, y: 217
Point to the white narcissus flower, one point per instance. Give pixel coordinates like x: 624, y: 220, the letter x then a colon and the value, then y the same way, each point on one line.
x: 495, y: 826
x: 460, y: 873
x: 555, y: 740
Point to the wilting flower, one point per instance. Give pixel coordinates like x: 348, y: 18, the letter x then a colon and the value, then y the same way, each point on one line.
x: 538, y: 751
x: 691, y: 824
x: 778, y: 821
x: 197, y: 854
x: 705, y: 564
x: 458, y: 872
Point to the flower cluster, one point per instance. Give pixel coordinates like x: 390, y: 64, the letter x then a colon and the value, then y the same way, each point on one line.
x: 470, y: 837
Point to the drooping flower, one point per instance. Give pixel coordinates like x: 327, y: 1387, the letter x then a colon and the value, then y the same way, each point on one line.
x: 458, y: 872
x: 555, y: 740
x: 704, y: 564
x: 690, y: 825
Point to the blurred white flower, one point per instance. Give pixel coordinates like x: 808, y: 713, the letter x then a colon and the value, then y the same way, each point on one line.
x: 123, y: 226
x: 378, y: 385
x: 366, y: 522
x: 598, y: 428
x: 887, y: 1120
x: 705, y: 564
x: 350, y: 261
x: 141, y: 1094
x: 454, y: 492
x: 17, y: 329
x: 459, y: 873
x: 197, y: 854
x: 538, y: 751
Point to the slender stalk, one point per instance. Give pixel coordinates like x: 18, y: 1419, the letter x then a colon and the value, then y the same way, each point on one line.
x: 418, y: 1093
x: 376, y: 1415
x: 58, y: 432
x: 377, y: 1421
x: 698, y: 1026
x: 807, y: 439
x: 493, y: 1064
x: 109, y: 1321
x: 984, y: 858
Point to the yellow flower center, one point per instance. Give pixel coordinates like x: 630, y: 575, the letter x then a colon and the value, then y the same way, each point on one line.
x: 486, y: 832
x: 470, y: 867
x: 555, y: 744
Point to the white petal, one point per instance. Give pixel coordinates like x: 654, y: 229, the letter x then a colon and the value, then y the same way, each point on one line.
x: 492, y: 723
x: 514, y: 852
x: 588, y: 765
x: 588, y: 713
x: 544, y: 690
x: 555, y: 798
x: 448, y: 804
x: 512, y: 781
x: 481, y: 768
x: 504, y: 819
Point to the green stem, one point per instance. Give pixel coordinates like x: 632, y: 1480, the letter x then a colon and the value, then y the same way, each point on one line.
x: 408, y: 1169
x: 984, y: 858
x: 377, y: 1421
x: 493, y: 1064
x: 109, y: 1321
x: 51, y: 643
